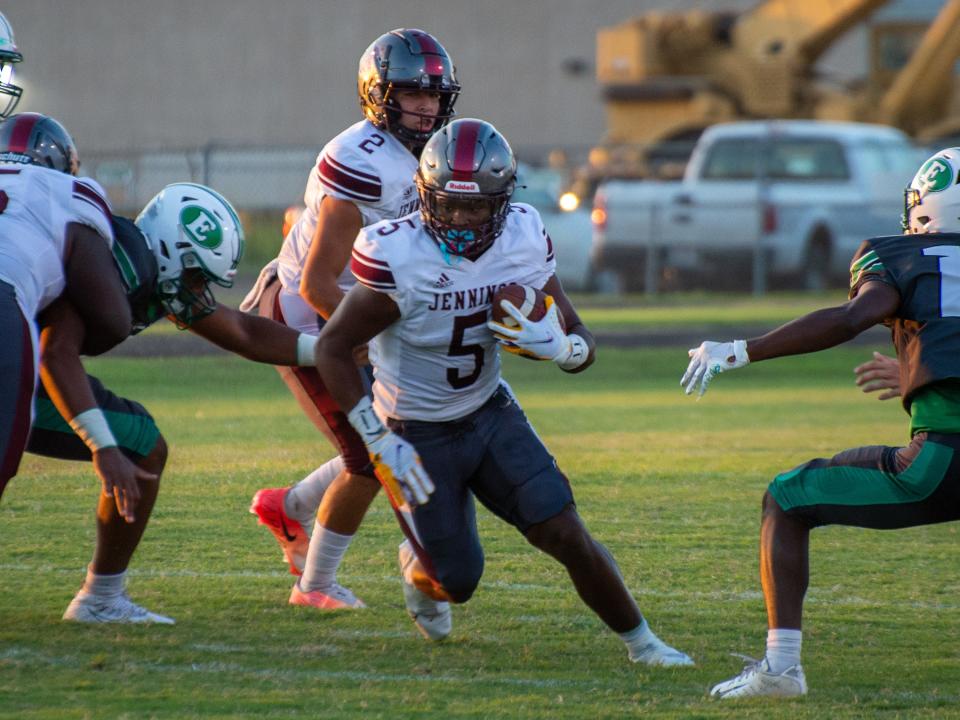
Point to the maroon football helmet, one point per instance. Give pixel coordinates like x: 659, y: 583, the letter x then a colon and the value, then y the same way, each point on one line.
x: 407, y: 59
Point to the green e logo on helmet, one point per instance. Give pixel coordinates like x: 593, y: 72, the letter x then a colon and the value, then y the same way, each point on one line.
x: 935, y: 175
x: 201, y: 226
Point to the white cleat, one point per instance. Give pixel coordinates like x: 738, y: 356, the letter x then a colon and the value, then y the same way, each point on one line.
x: 433, y: 618
x: 659, y: 654
x: 88, y: 608
x: 756, y: 680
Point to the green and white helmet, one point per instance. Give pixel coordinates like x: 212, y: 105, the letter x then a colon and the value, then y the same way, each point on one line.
x: 191, y: 228
x: 931, y: 203
x: 10, y: 55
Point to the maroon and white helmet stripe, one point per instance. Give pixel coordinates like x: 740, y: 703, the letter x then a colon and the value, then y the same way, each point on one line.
x: 22, y: 130
x: 464, y: 157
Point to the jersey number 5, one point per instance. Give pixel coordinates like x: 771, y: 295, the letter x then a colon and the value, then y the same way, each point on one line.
x: 461, y: 324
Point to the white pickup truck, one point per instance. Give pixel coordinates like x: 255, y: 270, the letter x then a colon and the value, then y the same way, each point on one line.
x: 790, y: 200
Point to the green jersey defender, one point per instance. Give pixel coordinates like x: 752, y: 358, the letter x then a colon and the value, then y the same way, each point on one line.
x: 910, y: 283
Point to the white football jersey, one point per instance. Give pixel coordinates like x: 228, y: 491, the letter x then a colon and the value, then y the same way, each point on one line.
x: 36, y: 206
x: 363, y: 165
x: 439, y: 361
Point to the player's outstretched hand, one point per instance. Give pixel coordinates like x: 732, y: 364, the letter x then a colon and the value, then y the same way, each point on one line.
x: 881, y: 373
x: 542, y: 339
x: 399, y: 469
x: 711, y: 359
x: 120, y: 479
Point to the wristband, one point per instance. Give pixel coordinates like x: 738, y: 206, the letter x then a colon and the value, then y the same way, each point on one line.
x: 740, y: 352
x: 91, y: 427
x: 307, y: 350
x: 365, y: 421
x: 576, y: 354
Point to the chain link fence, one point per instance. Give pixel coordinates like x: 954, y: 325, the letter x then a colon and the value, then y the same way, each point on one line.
x: 252, y: 178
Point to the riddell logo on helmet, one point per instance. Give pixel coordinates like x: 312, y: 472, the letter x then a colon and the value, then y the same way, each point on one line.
x: 460, y: 186
x: 10, y: 156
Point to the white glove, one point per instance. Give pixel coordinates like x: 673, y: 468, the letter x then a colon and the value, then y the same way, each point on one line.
x: 399, y: 469
x: 395, y: 461
x: 711, y: 359
x: 542, y: 339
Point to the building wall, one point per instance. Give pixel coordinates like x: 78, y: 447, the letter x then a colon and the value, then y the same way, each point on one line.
x: 154, y: 74
x: 242, y: 93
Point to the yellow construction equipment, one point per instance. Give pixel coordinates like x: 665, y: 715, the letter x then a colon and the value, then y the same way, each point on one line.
x: 666, y: 76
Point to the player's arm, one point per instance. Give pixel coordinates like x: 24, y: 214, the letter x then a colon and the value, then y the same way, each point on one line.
x: 572, y: 320
x: 338, y: 223
x: 874, y: 302
x: 256, y: 338
x: 62, y: 373
x: 826, y: 328
x: 363, y: 314
x: 94, y: 289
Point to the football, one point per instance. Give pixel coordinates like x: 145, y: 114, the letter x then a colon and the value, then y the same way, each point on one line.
x: 531, y: 302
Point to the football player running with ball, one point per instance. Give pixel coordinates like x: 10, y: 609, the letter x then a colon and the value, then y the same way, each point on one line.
x: 910, y: 283
x: 442, y: 429
x: 407, y: 88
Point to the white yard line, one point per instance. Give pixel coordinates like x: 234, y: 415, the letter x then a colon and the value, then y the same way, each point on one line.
x: 29, y: 655
x: 818, y: 596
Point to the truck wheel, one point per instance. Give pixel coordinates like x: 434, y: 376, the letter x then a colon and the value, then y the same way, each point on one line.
x: 816, y: 267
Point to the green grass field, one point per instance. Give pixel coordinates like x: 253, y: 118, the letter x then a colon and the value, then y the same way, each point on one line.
x: 671, y: 485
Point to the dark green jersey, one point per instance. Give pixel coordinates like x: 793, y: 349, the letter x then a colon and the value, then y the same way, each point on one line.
x: 138, y: 270
x: 925, y: 270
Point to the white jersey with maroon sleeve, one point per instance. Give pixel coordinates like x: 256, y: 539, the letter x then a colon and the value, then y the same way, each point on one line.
x: 36, y: 206
x: 439, y: 361
x: 363, y: 165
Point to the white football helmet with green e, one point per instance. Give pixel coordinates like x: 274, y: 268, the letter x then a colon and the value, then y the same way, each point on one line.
x: 9, y: 56
x: 197, y: 239
x: 931, y: 203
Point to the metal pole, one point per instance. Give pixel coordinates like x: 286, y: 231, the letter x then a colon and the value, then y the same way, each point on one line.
x: 651, y: 280
x: 763, y: 197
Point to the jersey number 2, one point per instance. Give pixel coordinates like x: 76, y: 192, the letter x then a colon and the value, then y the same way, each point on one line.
x: 372, y: 143
x: 949, y: 265
x: 461, y: 324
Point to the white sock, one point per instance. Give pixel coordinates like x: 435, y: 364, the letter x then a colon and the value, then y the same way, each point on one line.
x: 783, y: 648
x: 327, y: 549
x: 303, y: 499
x: 104, y: 586
x: 639, y: 640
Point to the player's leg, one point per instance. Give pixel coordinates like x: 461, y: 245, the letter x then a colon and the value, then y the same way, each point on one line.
x: 441, y: 561
x: 117, y: 539
x: 103, y: 597
x: 289, y: 512
x: 18, y: 381
x: 343, y: 505
x: 351, y: 492
x: 873, y: 487
x: 519, y: 481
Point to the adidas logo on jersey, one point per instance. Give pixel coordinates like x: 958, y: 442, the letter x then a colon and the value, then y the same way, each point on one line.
x: 443, y: 282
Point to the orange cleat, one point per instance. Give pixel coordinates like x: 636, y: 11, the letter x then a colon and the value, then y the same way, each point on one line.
x: 267, y: 505
x: 336, y: 597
